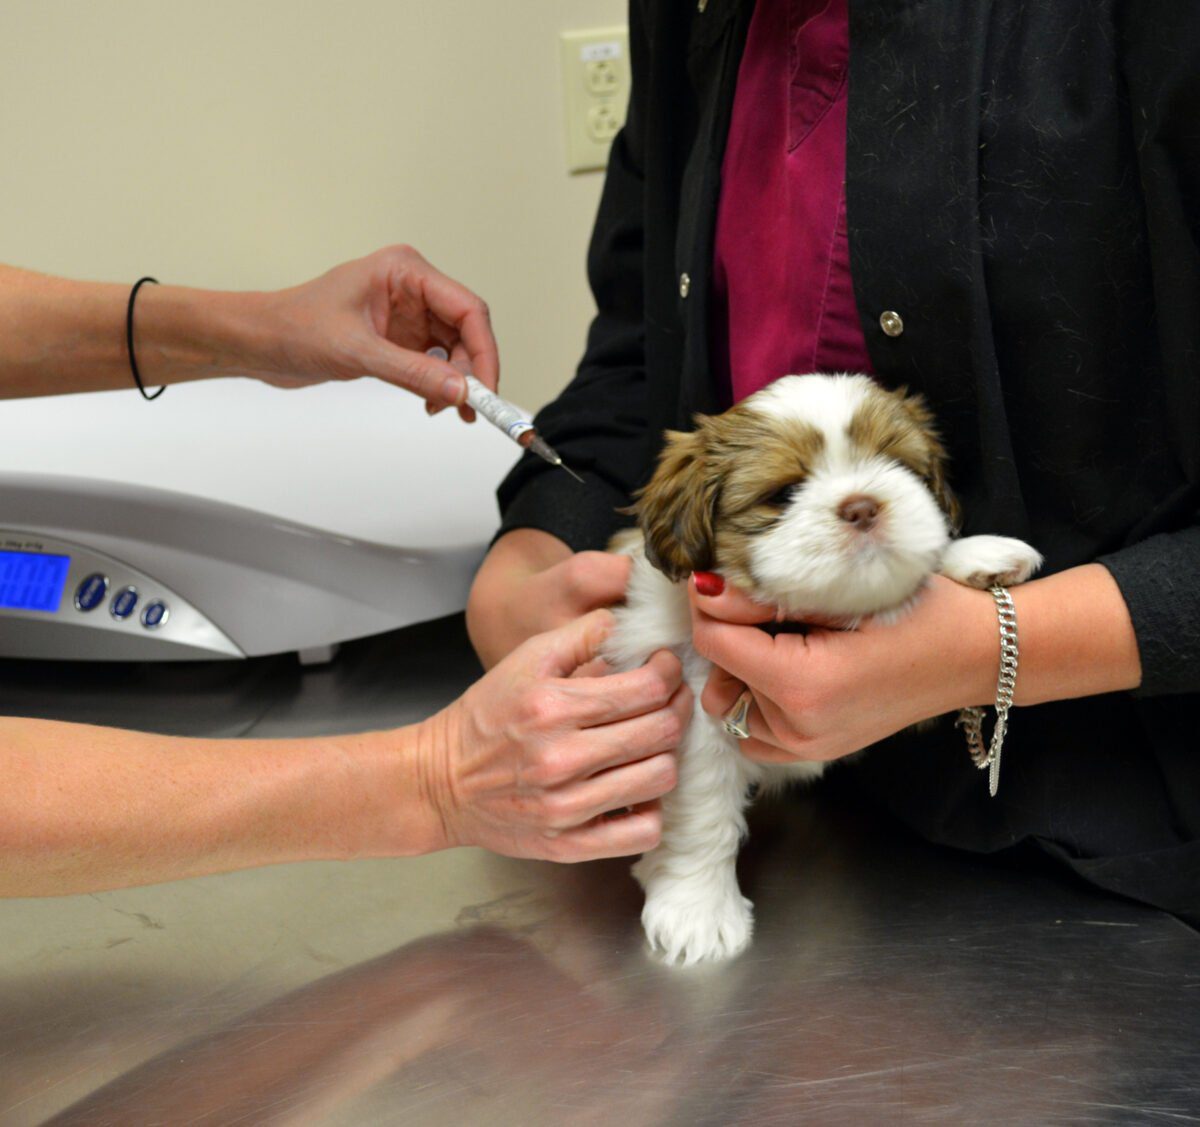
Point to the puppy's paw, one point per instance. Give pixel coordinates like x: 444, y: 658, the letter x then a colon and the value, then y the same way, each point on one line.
x: 990, y: 561
x: 699, y: 920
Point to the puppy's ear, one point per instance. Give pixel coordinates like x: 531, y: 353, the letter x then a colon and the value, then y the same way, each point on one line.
x: 677, y: 508
x: 934, y: 470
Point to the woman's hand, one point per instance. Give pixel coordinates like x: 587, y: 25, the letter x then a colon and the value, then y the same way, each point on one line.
x: 377, y: 316
x: 535, y: 762
x: 532, y: 582
x: 831, y: 692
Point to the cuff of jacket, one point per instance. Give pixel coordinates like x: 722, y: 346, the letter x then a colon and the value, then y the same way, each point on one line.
x: 583, y: 516
x: 1158, y: 581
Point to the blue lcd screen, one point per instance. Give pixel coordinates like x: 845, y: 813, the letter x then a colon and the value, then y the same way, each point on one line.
x: 32, y: 580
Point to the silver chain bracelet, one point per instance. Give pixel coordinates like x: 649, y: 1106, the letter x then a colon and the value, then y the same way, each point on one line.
x: 971, y: 719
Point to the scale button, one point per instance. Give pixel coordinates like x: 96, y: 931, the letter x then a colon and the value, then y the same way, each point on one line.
x: 155, y: 614
x: 123, y: 602
x: 90, y: 593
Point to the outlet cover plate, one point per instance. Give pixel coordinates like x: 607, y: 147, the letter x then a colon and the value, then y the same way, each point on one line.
x: 596, y: 77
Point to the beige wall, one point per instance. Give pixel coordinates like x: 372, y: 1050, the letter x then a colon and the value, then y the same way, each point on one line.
x: 253, y: 143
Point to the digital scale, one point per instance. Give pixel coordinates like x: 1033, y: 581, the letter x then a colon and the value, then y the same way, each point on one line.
x: 229, y: 519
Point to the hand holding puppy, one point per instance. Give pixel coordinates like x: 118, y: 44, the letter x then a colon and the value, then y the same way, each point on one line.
x: 830, y: 692
x: 531, y: 760
x: 532, y: 582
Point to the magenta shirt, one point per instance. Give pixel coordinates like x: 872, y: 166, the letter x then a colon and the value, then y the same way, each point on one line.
x: 783, y: 302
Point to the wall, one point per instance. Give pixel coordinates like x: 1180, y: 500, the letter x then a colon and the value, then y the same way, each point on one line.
x: 253, y: 143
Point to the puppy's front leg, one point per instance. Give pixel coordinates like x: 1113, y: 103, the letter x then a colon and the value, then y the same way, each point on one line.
x: 989, y: 561
x: 694, y: 910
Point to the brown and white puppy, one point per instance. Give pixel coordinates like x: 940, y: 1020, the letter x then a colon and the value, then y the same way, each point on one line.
x: 819, y: 494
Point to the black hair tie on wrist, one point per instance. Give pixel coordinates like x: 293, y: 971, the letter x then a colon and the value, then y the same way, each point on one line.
x: 137, y: 376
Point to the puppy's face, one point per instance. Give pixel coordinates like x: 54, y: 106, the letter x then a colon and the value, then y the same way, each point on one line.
x: 818, y: 493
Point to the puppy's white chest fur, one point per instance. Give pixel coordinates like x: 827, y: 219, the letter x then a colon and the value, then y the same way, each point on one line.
x: 819, y: 494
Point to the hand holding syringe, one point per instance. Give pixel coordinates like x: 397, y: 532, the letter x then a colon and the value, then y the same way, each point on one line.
x: 510, y: 419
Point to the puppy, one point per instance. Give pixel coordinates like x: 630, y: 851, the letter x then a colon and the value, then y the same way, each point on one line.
x: 818, y: 494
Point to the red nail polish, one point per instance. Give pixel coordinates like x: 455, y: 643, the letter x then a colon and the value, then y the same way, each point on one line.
x: 708, y: 583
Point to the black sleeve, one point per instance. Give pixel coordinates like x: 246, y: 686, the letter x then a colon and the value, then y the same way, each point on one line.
x: 598, y: 423
x: 1160, y: 577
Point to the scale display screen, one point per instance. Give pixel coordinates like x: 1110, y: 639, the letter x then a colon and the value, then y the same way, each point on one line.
x: 32, y: 580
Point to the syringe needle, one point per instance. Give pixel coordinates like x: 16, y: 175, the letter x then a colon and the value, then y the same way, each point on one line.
x: 544, y: 450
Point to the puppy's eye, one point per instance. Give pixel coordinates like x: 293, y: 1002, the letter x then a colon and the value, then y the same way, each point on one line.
x: 781, y: 497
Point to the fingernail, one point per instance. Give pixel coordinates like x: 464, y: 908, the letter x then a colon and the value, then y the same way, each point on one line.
x: 708, y: 583
x: 452, y: 390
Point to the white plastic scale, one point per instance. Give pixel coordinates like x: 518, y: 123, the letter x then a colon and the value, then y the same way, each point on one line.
x: 230, y: 519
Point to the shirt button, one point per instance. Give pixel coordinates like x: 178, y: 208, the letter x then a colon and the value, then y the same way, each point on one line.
x: 891, y: 323
x: 685, y: 284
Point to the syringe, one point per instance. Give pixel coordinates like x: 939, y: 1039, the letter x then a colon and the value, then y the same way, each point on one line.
x: 508, y: 418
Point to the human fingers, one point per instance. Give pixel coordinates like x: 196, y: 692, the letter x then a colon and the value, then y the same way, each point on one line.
x: 590, y: 579
x: 639, y: 831
x: 558, y: 653
x: 617, y: 789
x: 720, y: 694
x: 721, y: 690
x: 775, y: 736
x: 468, y: 314
x: 541, y: 592
x: 620, y: 696
x: 710, y: 593
x: 587, y: 752
x: 457, y: 356
x: 460, y: 358
x: 436, y: 380
x: 751, y: 655
x: 717, y: 599
x: 597, y: 667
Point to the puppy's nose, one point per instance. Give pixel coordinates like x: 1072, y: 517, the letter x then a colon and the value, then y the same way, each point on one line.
x: 859, y: 510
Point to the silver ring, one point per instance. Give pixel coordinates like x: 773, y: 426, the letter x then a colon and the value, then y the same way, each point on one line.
x: 737, y: 719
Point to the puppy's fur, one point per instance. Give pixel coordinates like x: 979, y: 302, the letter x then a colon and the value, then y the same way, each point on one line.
x: 818, y: 494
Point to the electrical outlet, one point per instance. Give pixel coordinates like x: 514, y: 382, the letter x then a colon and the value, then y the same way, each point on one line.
x: 603, y: 123
x: 595, y: 69
x: 601, y: 77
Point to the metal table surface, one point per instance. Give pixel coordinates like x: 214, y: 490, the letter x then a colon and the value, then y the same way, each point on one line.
x: 890, y: 982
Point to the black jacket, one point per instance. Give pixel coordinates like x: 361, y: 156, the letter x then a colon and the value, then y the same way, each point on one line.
x: 1023, y: 187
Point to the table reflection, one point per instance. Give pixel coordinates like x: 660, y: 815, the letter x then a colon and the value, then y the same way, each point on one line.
x: 887, y: 983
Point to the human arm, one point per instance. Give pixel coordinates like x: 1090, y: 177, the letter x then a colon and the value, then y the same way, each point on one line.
x: 527, y: 762
x: 374, y: 316
x: 1159, y: 47
x: 826, y: 694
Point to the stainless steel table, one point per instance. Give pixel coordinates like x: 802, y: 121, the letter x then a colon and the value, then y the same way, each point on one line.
x: 889, y: 982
